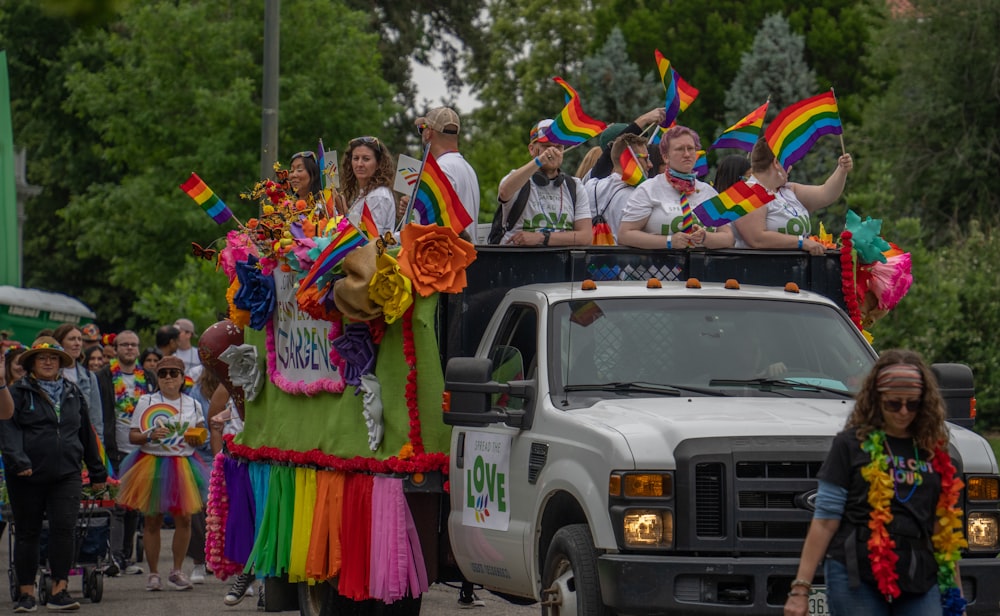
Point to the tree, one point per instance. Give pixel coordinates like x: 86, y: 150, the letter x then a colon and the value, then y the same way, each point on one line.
x: 619, y: 91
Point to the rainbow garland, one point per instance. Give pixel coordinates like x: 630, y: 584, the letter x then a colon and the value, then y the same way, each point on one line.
x: 948, y: 541
x: 125, y: 402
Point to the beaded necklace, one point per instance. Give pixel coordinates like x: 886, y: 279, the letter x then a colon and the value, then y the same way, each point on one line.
x: 125, y: 400
x: 947, y: 542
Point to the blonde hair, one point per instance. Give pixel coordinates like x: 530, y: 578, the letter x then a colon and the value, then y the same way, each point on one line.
x: 588, y: 162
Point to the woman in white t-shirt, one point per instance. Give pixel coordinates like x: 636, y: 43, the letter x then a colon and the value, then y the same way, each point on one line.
x: 368, y: 170
x: 163, y: 475
x: 784, y: 223
x: 654, y: 215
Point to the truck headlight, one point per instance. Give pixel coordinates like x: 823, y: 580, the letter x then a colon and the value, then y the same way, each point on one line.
x: 982, y: 530
x: 649, y: 528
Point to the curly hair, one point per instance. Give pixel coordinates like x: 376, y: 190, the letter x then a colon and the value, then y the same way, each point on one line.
x: 384, y: 173
x: 928, y: 427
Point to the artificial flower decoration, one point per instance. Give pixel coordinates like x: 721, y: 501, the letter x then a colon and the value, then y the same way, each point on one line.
x: 238, y: 249
x: 824, y: 238
x: 891, y: 280
x: 239, y: 317
x: 372, y: 405
x: 435, y: 258
x: 243, y: 369
x: 357, y: 351
x: 389, y: 288
x: 867, y: 237
x: 256, y: 292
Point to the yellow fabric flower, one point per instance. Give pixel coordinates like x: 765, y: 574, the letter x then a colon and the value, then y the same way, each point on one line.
x: 390, y: 289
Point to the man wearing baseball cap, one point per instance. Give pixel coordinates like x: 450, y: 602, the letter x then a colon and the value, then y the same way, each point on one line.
x: 186, y: 351
x: 440, y: 128
x: 557, y: 210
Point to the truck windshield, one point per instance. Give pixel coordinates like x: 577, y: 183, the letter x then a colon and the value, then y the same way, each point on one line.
x: 706, y: 346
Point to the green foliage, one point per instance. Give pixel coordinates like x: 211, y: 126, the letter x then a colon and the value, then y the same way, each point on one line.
x: 198, y: 292
x: 935, y: 122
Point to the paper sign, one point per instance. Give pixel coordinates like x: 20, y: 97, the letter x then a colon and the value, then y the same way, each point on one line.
x: 301, y: 343
x: 407, y: 173
x: 332, y: 168
x: 487, y: 492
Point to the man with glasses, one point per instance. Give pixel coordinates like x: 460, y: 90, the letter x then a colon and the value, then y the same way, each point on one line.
x: 610, y: 194
x: 121, y: 383
x: 555, y: 210
x: 440, y: 128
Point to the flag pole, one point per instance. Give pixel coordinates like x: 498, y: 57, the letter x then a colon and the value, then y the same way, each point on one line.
x: 416, y: 186
x: 843, y: 150
x: 641, y: 170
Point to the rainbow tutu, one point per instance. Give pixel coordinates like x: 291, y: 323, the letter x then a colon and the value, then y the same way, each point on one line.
x: 163, y: 484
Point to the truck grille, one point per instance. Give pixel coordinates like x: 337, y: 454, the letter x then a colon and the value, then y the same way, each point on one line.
x: 710, y: 500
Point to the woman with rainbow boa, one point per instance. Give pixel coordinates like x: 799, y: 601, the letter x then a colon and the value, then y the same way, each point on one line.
x: 886, y: 516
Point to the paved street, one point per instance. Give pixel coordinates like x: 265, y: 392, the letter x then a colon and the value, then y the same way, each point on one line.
x: 127, y: 596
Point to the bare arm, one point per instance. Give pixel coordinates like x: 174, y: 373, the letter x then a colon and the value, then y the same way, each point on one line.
x: 818, y: 197
x: 510, y: 186
x: 630, y: 233
x: 753, y: 229
x: 581, y: 235
x: 817, y: 541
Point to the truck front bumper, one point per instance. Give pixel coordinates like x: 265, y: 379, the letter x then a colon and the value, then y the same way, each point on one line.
x: 637, y: 584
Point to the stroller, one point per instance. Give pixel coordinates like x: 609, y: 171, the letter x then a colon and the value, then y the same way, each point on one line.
x: 91, y: 549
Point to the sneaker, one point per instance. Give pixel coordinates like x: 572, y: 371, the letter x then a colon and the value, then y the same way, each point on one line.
x: 113, y: 568
x: 153, y: 583
x: 61, y: 601
x: 198, y: 574
x: 132, y: 569
x: 466, y: 601
x: 179, y: 581
x: 26, y: 603
x: 241, y: 587
x: 261, y: 600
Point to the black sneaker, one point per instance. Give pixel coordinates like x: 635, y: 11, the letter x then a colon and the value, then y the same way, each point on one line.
x: 239, y: 589
x: 61, y: 602
x: 469, y: 600
x: 26, y: 603
x: 261, y: 598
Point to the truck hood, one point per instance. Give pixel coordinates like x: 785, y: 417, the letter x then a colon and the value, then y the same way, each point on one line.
x: 653, y: 427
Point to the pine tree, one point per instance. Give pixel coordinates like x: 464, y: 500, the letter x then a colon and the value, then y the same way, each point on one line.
x: 616, y: 90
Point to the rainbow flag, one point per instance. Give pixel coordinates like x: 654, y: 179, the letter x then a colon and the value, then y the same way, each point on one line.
x: 658, y: 133
x: 572, y: 125
x: 208, y: 200
x: 701, y: 165
x: 679, y: 94
x: 436, y: 202
x: 346, y: 238
x: 739, y: 199
x: 743, y: 134
x: 368, y: 222
x: 101, y: 451
x: 798, y: 127
x: 632, y: 171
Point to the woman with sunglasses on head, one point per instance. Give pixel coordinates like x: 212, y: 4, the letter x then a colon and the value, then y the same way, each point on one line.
x: 163, y: 475
x: 304, y: 176
x: 367, y: 173
x: 46, y: 440
x: 893, y: 452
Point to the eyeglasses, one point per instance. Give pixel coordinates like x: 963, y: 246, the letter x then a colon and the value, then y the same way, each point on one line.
x: 895, y: 406
x: 369, y: 140
x: 421, y: 128
x: 172, y: 373
x: 47, y: 357
x: 134, y: 345
x: 306, y: 154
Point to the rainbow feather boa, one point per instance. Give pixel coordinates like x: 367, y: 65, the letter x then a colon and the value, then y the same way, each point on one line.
x: 948, y: 540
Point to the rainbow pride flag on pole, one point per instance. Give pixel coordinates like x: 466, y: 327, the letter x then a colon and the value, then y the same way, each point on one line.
x: 436, y: 202
x: 745, y: 133
x: 701, y: 165
x: 792, y: 134
x: 208, y: 200
x: 737, y: 200
x: 632, y: 171
x: 368, y: 222
x: 679, y: 94
x: 572, y: 125
x: 345, y: 239
x: 101, y: 451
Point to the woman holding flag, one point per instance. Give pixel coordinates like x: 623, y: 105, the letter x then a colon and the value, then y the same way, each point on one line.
x: 368, y: 170
x: 660, y: 212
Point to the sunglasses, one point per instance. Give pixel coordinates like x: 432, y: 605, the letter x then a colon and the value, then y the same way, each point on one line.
x: 365, y: 141
x: 172, y: 373
x: 895, y: 406
x: 421, y: 128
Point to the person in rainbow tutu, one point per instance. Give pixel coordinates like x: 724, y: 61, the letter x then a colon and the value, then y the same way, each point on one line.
x: 163, y: 476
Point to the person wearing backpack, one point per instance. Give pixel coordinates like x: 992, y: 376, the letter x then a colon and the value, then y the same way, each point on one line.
x: 539, y: 205
x: 610, y: 194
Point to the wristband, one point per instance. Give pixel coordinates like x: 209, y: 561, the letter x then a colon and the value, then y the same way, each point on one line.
x: 798, y: 594
x: 670, y: 242
x: 4, y: 386
x: 538, y: 162
x: 800, y: 243
x: 800, y: 582
x: 546, y: 236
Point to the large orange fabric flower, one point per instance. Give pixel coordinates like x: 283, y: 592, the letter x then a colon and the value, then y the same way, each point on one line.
x: 435, y: 258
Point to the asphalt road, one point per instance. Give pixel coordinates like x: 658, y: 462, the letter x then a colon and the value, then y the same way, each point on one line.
x: 126, y: 596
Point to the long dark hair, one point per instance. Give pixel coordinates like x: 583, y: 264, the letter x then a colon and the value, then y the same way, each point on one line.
x: 731, y: 170
x: 312, y: 168
x: 928, y: 427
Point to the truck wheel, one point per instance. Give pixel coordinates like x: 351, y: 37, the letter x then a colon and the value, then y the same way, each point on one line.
x: 315, y: 599
x: 569, y: 578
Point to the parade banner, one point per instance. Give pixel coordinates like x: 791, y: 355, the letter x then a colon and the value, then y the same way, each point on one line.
x: 301, y: 343
x: 487, y: 466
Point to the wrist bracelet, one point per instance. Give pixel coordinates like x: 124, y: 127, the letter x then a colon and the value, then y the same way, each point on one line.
x: 4, y: 386
x: 798, y: 594
x: 800, y: 582
x: 538, y: 162
x: 670, y: 242
x: 800, y: 243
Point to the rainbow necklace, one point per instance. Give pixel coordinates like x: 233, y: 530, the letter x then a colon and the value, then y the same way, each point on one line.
x: 947, y: 542
x: 125, y: 400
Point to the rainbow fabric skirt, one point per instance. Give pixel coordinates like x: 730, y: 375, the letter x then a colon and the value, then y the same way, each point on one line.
x: 163, y: 484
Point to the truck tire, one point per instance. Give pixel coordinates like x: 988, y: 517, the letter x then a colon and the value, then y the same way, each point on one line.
x: 569, y: 578
x: 315, y: 599
x: 324, y: 600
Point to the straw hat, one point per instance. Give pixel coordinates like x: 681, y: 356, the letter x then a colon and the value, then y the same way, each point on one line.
x: 45, y: 344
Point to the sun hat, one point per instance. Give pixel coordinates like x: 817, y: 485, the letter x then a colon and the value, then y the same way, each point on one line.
x: 442, y: 120
x: 45, y: 344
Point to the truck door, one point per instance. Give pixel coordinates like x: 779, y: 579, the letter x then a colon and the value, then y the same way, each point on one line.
x: 490, y: 521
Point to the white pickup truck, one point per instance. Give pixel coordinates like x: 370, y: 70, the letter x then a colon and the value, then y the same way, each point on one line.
x: 634, y: 449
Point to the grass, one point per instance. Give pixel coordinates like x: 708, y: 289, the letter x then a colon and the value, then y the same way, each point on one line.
x: 994, y: 440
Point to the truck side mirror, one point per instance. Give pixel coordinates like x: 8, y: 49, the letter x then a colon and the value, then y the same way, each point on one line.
x: 469, y: 385
x: 958, y: 392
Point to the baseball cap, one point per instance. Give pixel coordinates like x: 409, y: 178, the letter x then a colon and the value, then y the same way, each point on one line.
x: 91, y: 333
x: 442, y: 120
x: 536, y: 132
x: 185, y: 325
x: 611, y: 133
